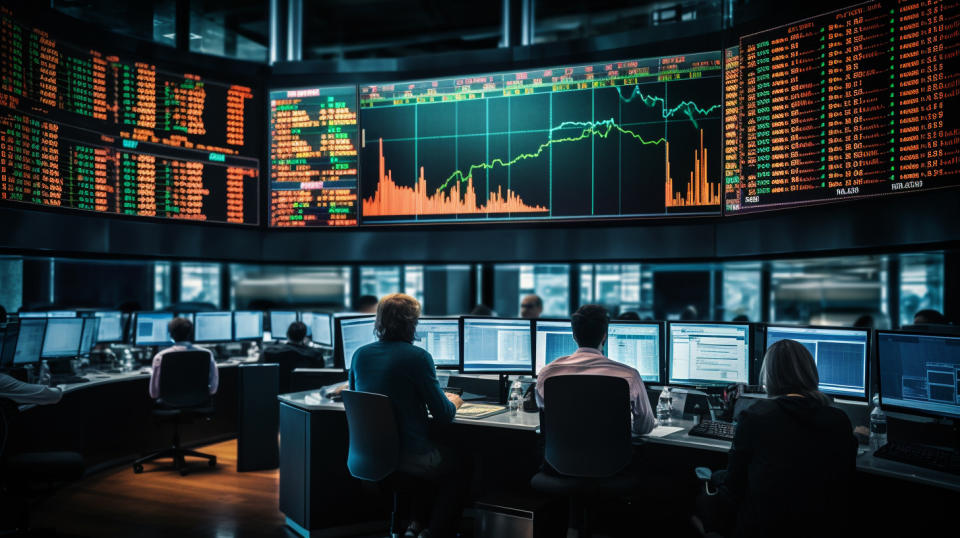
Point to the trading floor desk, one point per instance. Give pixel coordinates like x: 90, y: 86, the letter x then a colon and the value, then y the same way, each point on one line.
x: 109, y: 419
x: 317, y: 492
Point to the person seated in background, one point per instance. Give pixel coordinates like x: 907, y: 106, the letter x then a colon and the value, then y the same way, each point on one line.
x: 393, y: 366
x: 28, y: 393
x: 690, y: 313
x: 531, y: 306
x: 589, y: 324
x: 930, y: 317
x: 181, y: 330
x: 865, y: 321
x: 628, y: 316
x: 482, y: 310
x: 366, y: 304
x: 298, y: 343
x: 741, y: 318
x: 793, y: 459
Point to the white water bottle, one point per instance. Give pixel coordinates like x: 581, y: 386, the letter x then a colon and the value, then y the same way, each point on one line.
x: 665, y: 406
x: 878, y: 426
x: 515, y: 400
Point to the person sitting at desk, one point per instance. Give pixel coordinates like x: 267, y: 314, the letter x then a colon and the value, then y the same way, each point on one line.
x: 28, y: 393
x: 793, y: 458
x: 589, y: 325
x: 297, y: 342
x: 181, y: 330
x: 531, y: 306
x: 366, y: 304
x: 405, y: 373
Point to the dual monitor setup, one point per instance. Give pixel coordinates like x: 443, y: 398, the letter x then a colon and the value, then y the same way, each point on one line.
x: 150, y: 328
x: 918, y: 373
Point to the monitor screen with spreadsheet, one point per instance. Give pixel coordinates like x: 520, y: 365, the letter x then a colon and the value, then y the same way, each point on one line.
x: 840, y: 354
x: 709, y: 353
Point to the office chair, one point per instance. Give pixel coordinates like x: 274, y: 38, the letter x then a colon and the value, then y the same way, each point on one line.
x: 184, y: 395
x: 19, y: 470
x: 374, y: 453
x: 586, y: 429
x: 287, y: 359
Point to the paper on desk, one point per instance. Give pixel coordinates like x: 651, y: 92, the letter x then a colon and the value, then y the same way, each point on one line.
x: 663, y: 431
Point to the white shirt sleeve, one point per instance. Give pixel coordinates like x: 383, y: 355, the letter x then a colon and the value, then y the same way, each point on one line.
x: 26, y: 393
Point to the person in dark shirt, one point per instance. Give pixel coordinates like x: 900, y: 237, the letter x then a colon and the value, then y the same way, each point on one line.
x: 366, y: 304
x: 791, y: 467
x: 929, y: 317
x: 393, y: 366
x: 296, y: 345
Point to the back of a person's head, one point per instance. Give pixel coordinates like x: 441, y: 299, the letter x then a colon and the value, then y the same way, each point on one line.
x: 929, y: 317
x: 629, y: 316
x: 366, y: 304
x: 690, y: 313
x: 865, y: 321
x: 296, y: 332
x: 789, y: 368
x: 397, y: 316
x: 181, y: 329
x: 481, y: 310
x: 589, y: 325
x: 742, y: 318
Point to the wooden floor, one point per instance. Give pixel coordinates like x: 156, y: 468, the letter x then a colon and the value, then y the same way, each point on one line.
x: 207, y: 503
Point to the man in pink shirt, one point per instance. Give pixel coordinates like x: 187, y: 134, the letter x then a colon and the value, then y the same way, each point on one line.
x: 181, y: 330
x: 590, y: 332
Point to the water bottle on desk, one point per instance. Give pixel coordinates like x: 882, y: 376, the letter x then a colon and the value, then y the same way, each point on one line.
x: 665, y: 406
x: 44, y: 377
x: 515, y: 401
x: 878, y: 425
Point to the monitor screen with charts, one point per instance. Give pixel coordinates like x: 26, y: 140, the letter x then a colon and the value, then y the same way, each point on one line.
x: 150, y: 329
x: 637, y: 345
x: 354, y: 334
x: 919, y: 372
x: 321, y: 329
x: 29, y: 341
x: 840, y: 354
x: 91, y: 326
x: 247, y: 325
x: 497, y: 346
x: 279, y: 323
x: 441, y: 338
x: 552, y: 340
x: 709, y: 353
x: 213, y: 327
x: 111, y: 326
x: 62, y: 338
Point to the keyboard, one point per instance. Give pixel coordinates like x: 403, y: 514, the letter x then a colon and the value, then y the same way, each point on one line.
x: 938, y: 459
x: 67, y: 379
x: 714, y: 429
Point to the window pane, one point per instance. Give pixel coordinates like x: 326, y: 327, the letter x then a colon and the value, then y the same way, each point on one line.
x: 162, y: 288
x: 830, y: 291
x: 380, y: 280
x: 741, y: 291
x: 200, y: 283
x: 265, y: 287
x: 413, y: 282
x: 921, y: 284
x: 550, y: 281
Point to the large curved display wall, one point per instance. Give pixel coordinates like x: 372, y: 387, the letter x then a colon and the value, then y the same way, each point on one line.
x: 581, y: 152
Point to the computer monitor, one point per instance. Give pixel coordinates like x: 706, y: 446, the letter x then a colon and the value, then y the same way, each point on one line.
x: 637, y: 344
x: 62, y: 338
x: 150, y: 329
x: 111, y: 326
x: 321, y: 329
x: 61, y: 313
x: 247, y: 325
x: 552, y: 339
x: 32, y: 315
x: 840, y: 354
x: 213, y: 327
x: 496, y: 345
x: 709, y: 353
x: 91, y: 327
x: 30, y: 340
x: 352, y: 334
x: 919, y: 373
x: 279, y: 323
x: 441, y: 338
x: 307, y: 319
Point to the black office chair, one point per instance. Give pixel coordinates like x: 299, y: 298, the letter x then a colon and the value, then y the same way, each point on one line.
x: 287, y: 359
x: 586, y: 429
x: 184, y: 396
x: 18, y: 471
x: 374, y: 453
